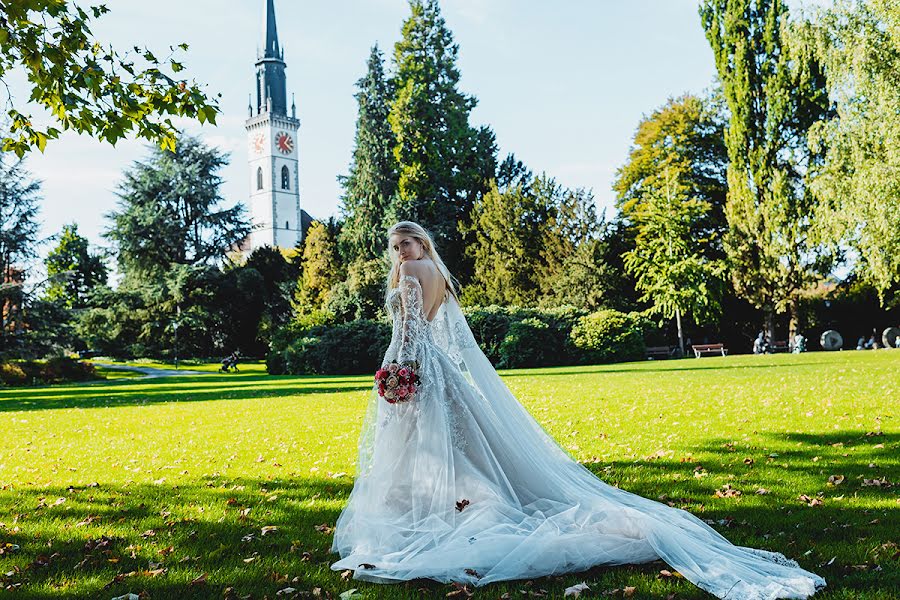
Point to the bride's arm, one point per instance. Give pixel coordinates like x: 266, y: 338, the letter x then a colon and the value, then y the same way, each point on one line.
x: 411, y: 317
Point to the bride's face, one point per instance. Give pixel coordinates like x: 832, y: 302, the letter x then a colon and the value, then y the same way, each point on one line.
x: 406, y: 247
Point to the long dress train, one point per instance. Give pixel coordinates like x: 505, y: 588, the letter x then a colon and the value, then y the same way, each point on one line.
x: 462, y: 484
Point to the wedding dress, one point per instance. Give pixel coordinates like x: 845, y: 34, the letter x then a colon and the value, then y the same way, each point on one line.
x: 462, y: 484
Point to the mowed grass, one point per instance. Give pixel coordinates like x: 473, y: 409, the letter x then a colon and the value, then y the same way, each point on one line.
x: 136, y: 485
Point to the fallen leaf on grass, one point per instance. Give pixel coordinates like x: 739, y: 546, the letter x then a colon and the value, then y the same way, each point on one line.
x: 575, y: 590
x: 350, y: 594
x: 810, y: 501
x: 269, y: 529
x: 727, y: 492
x: 324, y: 528
x: 90, y: 519
x: 835, y: 479
x: 459, y: 590
x: 200, y: 580
x: 346, y: 574
x: 285, y: 591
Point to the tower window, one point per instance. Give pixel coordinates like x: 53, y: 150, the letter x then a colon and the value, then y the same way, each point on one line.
x: 287, y: 224
x: 259, y: 178
x: 285, y: 178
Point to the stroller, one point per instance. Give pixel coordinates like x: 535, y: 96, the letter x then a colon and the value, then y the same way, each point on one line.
x: 230, y: 362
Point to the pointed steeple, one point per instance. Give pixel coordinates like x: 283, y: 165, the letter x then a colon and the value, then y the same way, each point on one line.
x: 271, y: 86
x: 270, y: 33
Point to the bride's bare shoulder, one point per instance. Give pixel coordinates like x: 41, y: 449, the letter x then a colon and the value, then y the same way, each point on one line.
x: 423, y: 269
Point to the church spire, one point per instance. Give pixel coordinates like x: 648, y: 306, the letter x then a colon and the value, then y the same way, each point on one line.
x: 271, y: 86
x: 271, y: 49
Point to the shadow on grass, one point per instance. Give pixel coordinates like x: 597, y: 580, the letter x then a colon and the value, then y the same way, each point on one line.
x: 206, y: 527
x: 124, y: 392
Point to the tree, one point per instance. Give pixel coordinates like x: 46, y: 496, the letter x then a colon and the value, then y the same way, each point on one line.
x: 444, y: 164
x: 859, y: 181
x: 594, y: 276
x: 522, y: 237
x: 73, y: 271
x: 668, y: 261
x: 278, y: 279
x: 686, y: 139
x: 169, y: 212
x: 19, y: 197
x: 86, y: 85
x: 507, y: 232
x: 320, y: 269
x: 371, y: 183
x: 774, y: 93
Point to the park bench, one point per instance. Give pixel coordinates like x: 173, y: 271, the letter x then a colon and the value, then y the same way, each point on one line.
x: 659, y: 352
x: 781, y: 346
x: 701, y: 349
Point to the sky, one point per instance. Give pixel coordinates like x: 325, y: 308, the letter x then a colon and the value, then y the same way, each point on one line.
x: 562, y: 84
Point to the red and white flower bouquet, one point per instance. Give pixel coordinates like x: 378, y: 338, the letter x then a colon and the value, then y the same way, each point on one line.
x: 396, y: 382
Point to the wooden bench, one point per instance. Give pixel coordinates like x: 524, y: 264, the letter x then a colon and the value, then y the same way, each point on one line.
x: 782, y: 346
x: 701, y: 349
x: 659, y: 352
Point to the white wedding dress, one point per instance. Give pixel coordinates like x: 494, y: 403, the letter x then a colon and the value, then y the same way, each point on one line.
x: 462, y: 484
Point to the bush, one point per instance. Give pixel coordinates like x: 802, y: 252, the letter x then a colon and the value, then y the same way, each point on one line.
x: 528, y: 343
x: 12, y: 374
x: 610, y: 336
x: 351, y: 348
x: 492, y: 324
x: 59, y: 369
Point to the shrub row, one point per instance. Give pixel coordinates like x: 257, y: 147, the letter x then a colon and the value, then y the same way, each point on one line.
x: 510, y: 337
x: 59, y: 369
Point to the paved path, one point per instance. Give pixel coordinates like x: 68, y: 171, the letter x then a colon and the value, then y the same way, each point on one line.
x: 152, y: 371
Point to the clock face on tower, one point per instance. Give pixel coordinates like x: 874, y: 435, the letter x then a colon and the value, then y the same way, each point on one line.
x: 284, y: 143
x: 258, y: 143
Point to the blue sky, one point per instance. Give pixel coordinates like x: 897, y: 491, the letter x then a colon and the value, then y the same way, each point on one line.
x: 562, y: 84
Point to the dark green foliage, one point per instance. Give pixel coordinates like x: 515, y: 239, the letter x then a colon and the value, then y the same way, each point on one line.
x: 500, y: 337
x: 85, y: 84
x: 370, y: 186
x: 361, y: 294
x: 73, y: 269
x: 443, y: 163
x: 19, y: 198
x: 169, y: 212
x: 521, y: 238
x: 610, y: 336
x: 59, y: 369
x: 350, y: 348
x: 528, y: 343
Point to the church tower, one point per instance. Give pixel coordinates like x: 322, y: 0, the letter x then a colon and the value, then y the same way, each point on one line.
x: 272, y: 134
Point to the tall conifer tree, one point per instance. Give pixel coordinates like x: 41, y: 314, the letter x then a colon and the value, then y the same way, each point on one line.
x: 372, y: 181
x: 444, y: 163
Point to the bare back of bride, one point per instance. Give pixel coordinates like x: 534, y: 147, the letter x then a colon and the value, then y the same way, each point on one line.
x: 457, y: 482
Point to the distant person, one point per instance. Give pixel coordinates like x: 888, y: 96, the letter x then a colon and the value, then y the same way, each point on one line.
x: 799, y: 344
x: 229, y: 363
x: 759, y: 344
x: 861, y: 343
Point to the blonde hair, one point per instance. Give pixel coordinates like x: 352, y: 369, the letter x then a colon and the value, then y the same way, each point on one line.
x: 416, y: 231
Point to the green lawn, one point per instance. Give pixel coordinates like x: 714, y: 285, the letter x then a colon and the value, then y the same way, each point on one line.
x: 135, y: 485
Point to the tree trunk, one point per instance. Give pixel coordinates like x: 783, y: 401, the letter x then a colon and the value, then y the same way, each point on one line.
x: 794, y: 327
x: 680, y: 334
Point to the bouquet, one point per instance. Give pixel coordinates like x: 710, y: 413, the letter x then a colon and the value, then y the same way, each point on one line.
x: 396, y: 382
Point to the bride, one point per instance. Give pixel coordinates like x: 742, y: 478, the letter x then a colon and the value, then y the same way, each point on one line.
x: 461, y: 484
